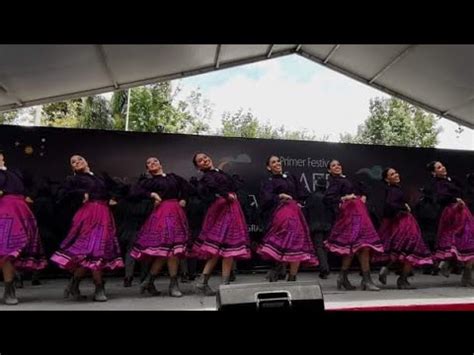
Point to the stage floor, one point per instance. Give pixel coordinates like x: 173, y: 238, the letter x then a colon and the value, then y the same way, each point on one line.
x: 431, y: 290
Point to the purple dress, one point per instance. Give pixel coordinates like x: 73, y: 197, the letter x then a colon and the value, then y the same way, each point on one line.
x: 224, y: 231
x: 287, y: 238
x: 455, y: 237
x: 353, y: 229
x: 19, y: 237
x: 165, y: 232
x: 400, y: 233
x: 92, y: 241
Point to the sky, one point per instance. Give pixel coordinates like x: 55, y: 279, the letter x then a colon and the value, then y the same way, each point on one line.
x: 300, y: 94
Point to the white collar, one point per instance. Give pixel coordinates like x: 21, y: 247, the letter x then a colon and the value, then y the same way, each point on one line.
x: 164, y: 175
x: 3, y: 168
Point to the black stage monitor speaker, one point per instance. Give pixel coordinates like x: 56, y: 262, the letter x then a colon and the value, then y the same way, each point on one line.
x: 275, y: 296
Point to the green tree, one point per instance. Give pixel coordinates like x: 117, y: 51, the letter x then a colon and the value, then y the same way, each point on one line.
x: 152, y: 109
x: 21, y: 116
x: 240, y: 124
x: 86, y: 112
x: 395, y: 122
x: 62, y: 114
x: 95, y: 113
x: 118, y: 108
x: 8, y: 117
x: 155, y: 108
x: 199, y: 111
x: 346, y: 138
x: 303, y: 136
x: 245, y: 124
x: 267, y: 131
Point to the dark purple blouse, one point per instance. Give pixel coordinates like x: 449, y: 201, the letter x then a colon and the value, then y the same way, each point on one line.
x: 82, y: 183
x: 445, y: 190
x: 277, y: 184
x: 168, y: 186
x: 394, y: 201
x: 11, y: 182
x: 338, y: 187
x: 216, y: 182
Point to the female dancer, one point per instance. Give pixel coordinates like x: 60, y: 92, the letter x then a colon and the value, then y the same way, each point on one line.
x: 164, y: 235
x: 20, y: 244
x: 287, y: 238
x: 400, y: 233
x: 455, y: 237
x: 224, y: 232
x: 91, y: 243
x: 352, y: 232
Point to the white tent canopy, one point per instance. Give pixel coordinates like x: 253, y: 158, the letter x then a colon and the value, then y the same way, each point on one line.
x: 438, y: 78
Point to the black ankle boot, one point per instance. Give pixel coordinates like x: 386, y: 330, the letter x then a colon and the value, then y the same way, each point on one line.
x: 226, y: 280
x: 324, y: 275
x: 202, y: 286
x: 272, y: 275
x: 148, y: 285
x: 99, y: 294
x: 291, y: 277
x: 35, y: 280
x: 403, y: 284
x: 18, y: 281
x: 367, y: 284
x: 174, y: 288
x: 383, y: 275
x: 343, y: 281
x: 281, y: 271
x: 444, y: 268
x: 9, y: 295
x: 466, y: 280
x: 127, y: 281
x: 72, y: 289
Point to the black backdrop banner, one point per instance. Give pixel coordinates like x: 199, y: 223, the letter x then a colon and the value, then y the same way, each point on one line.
x: 45, y: 152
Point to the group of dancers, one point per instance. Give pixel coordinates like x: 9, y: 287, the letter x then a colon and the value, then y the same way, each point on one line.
x: 92, y: 246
